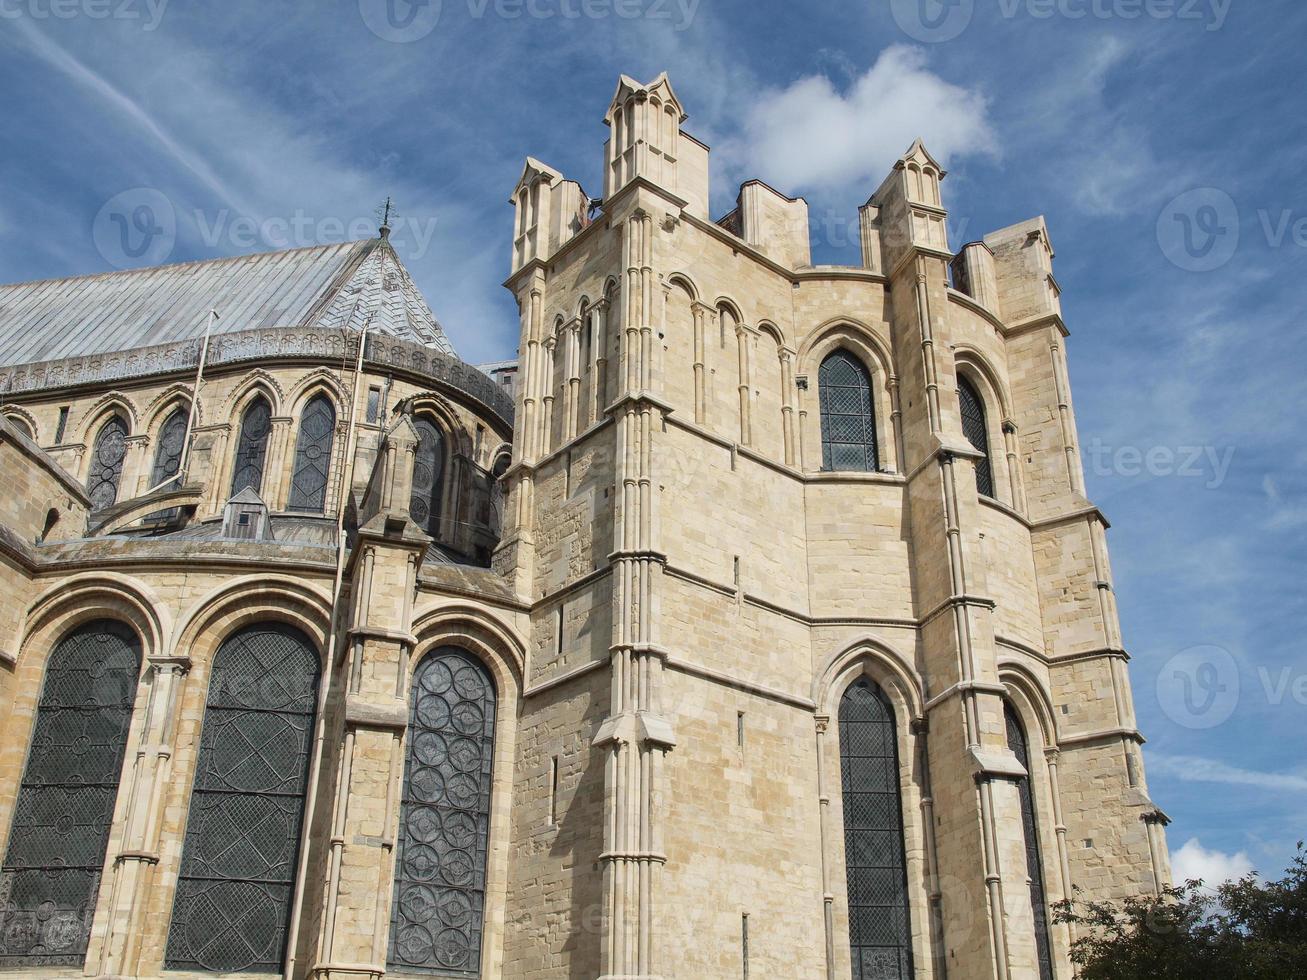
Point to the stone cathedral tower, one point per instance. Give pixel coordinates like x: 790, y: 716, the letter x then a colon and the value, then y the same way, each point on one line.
x: 753, y: 625
x: 825, y: 673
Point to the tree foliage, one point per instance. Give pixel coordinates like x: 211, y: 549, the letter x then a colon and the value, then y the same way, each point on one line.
x: 1244, y: 930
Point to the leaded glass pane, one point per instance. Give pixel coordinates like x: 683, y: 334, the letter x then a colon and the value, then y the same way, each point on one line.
x: 424, y: 505
x: 107, y: 463
x: 848, y: 417
x: 252, y: 448
x: 440, y: 868
x: 50, y: 879
x: 874, y: 859
x: 976, y: 429
x: 308, y: 485
x: 168, y: 455
x: 242, y: 834
x: 1017, y: 742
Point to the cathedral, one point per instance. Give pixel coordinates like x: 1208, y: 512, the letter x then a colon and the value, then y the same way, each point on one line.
x: 752, y: 623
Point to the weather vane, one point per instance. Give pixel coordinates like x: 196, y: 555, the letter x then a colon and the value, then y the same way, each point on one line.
x: 384, y: 214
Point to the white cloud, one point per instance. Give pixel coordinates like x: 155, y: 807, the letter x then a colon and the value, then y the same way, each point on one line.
x: 1195, y: 862
x: 811, y: 136
x: 1196, y: 769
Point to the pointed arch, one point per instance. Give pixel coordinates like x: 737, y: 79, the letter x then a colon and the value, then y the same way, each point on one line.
x: 110, y: 404
x: 430, y: 473
x: 163, y: 404
x: 975, y: 426
x: 108, y: 452
x: 22, y: 420
x: 321, y: 381
x: 252, y: 445
x: 252, y: 385
x: 848, y: 414
x: 313, y: 455
x: 169, y: 444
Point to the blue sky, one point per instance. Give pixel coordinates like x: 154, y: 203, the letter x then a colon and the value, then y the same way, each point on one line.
x: 1130, y: 124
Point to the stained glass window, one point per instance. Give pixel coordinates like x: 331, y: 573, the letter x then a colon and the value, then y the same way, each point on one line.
x: 437, y: 917
x: 1018, y: 743
x: 242, y: 836
x: 976, y: 429
x: 848, y: 418
x: 107, y: 463
x: 252, y: 448
x: 50, y: 879
x: 168, y: 455
x: 875, y: 863
x: 308, y: 485
x: 424, y: 506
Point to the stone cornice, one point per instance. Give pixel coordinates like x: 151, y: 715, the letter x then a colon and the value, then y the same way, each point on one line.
x: 423, y: 364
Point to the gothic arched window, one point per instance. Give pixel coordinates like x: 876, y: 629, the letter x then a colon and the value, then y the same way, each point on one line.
x: 437, y: 916
x: 252, y: 447
x: 848, y: 417
x: 976, y: 429
x: 21, y: 424
x: 308, y: 484
x: 1019, y: 744
x: 107, y: 463
x: 168, y: 455
x: 428, y: 467
x: 51, y: 874
x: 243, y: 830
x: 880, y: 934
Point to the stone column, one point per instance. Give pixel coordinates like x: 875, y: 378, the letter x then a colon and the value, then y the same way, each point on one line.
x: 354, y: 934
x: 787, y: 405
x: 136, y: 468
x: 701, y: 314
x: 146, y: 779
x: 635, y: 735
x: 279, y: 464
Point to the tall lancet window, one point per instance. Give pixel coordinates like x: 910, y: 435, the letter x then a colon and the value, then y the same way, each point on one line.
x: 51, y: 875
x: 437, y: 917
x: 1019, y: 744
x: 231, y: 912
x: 976, y: 428
x: 252, y: 447
x: 107, y: 463
x: 880, y: 933
x: 428, y: 467
x: 168, y: 455
x: 848, y: 418
x: 308, y: 484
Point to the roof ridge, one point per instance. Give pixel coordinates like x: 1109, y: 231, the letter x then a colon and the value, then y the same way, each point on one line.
x: 216, y: 260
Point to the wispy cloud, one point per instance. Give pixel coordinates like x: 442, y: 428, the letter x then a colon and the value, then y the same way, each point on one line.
x: 1196, y: 769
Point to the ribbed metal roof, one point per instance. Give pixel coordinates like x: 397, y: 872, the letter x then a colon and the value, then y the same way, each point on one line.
x: 339, y: 286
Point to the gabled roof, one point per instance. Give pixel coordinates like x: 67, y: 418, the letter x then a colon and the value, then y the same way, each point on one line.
x: 337, y: 286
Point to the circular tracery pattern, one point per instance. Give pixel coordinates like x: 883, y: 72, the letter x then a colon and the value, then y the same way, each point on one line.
x: 436, y: 921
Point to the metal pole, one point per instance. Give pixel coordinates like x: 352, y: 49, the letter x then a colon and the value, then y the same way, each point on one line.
x: 195, y: 400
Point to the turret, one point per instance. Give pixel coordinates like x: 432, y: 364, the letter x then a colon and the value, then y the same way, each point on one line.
x: 647, y: 142
x: 549, y: 210
x: 907, y: 211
